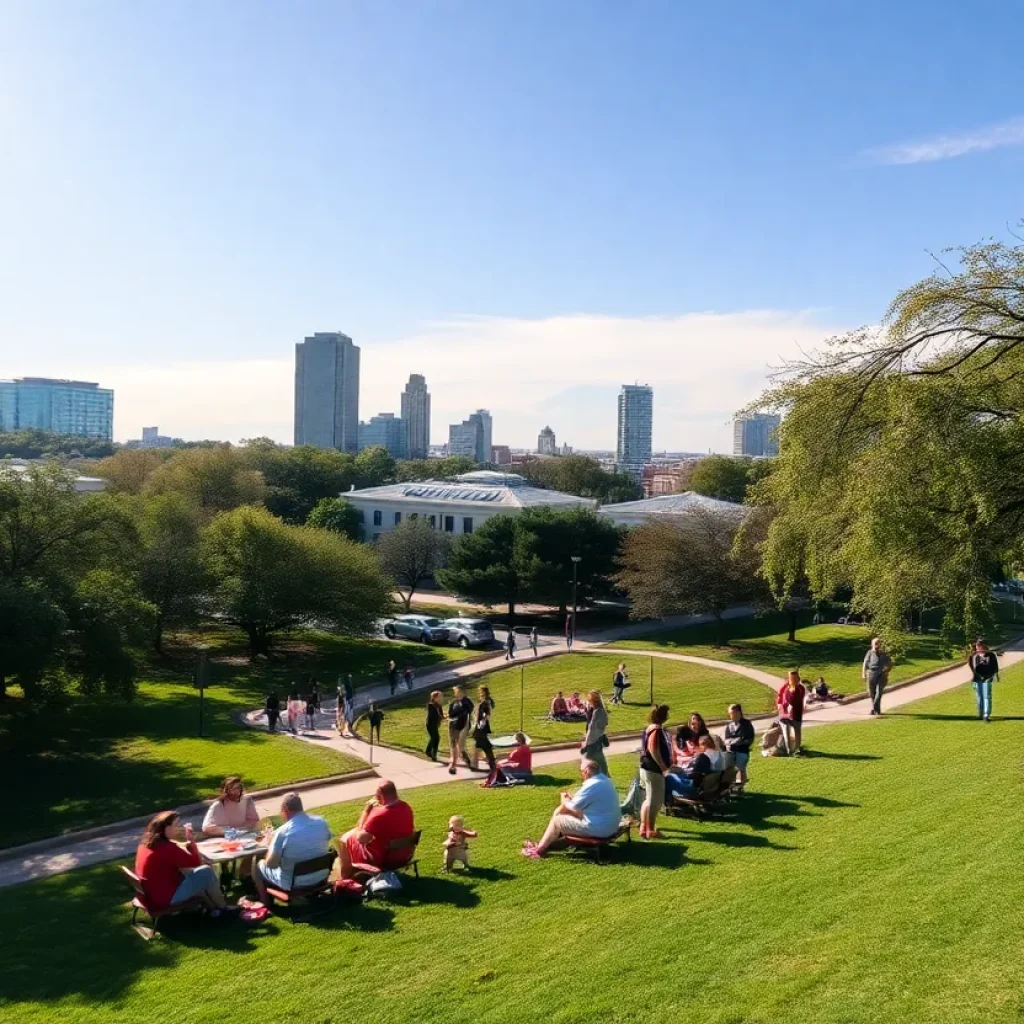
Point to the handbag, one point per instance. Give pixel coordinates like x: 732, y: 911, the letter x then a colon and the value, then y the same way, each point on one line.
x: 605, y: 742
x: 384, y: 883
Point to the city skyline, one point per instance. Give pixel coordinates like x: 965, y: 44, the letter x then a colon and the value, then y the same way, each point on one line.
x: 717, y: 200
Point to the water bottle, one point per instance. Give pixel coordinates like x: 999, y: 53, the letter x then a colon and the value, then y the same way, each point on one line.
x: 229, y: 833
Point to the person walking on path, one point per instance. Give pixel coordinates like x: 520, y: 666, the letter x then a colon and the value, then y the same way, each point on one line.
x: 482, y: 729
x: 295, y: 708
x: 311, y: 710
x: 375, y: 717
x: 272, y: 708
x: 570, y: 628
x: 655, y: 760
x: 984, y: 666
x: 620, y: 683
x: 595, y: 738
x: 510, y: 644
x: 875, y: 672
x: 392, y: 677
x: 408, y: 675
x: 460, y: 713
x: 533, y: 640
x: 346, y: 705
x: 790, y: 705
x: 435, y: 716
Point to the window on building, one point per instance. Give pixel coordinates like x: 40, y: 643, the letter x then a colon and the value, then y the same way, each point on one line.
x: 449, y: 524
x: 378, y: 517
x: 467, y: 524
x: 398, y: 518
x: 432, y: 520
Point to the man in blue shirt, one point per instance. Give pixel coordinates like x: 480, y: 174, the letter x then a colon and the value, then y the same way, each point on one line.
x: 302, y: 837
x: 594, y: 811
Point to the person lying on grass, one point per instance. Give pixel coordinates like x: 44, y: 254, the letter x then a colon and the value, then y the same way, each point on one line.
x: 385, y: 818
x: 592, y: 812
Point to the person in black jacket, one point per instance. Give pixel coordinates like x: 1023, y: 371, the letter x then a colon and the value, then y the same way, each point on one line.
x: 435, y: 716
x: 984, y: 666
x: 460, y: 713
x: 393, y: 677
x: 273, y: 710
x: 739, y: 735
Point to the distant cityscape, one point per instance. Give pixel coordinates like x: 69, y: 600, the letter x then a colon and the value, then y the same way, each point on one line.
x: 327, y: 416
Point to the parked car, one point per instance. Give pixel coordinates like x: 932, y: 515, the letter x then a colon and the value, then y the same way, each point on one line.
x: 416, y: 627
x: 469, y: 632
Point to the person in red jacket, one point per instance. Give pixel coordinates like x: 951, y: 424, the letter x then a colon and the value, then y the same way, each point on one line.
x: 790, y: 706
x: 173, y: 874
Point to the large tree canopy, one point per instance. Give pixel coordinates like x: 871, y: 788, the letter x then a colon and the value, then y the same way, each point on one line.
x: 269, y: 577
x: 581, y: 475
x: 412, y: 553
x: 901, y: 473
x: 214, y: 479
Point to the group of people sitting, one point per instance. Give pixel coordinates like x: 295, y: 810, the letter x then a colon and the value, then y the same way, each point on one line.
x: 171, y: 867
x: 568, y: 709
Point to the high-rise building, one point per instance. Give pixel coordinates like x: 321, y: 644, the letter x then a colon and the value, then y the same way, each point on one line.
x: 387, y: 431
x: 636, y: 421
x: 416, y: 416
x: 546, y: 444
x: 755, y: 434
x: 472, y: 437
x: 73, y: 407
x: 327, y: 392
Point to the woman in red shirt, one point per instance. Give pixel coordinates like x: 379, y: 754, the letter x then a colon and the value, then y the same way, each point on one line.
x: 519, y: 763
x: 173, y: 874
x: 790, y: 706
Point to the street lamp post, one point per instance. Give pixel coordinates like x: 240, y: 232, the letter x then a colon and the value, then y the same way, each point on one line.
x: 572, y: 632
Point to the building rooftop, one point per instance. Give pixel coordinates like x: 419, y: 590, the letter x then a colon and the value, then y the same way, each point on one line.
x: 483, y: 487
x: 673, y: 504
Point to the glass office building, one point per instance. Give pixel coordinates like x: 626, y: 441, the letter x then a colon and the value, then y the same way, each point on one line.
x: 386, y: 431
x: 73, y: 407
x: 756, y: 434
x: 636, y: 420
x: 327, y: 392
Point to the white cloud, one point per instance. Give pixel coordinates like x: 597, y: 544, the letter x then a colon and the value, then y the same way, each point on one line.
x: 564, y: 371
x: 946, y: 147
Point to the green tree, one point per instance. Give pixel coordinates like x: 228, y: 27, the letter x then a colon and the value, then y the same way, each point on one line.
x: 214, y: 479
x: 483, y: 565
x: 40, y: 444
x: 297, y: 478
x: 411, y: 470
x: 32, y: 630
x: 337, y: 515
x: 268, y: 577
x: 412, y: 553
x: 172, y: 574
x: 721, y: 477
x: 580, y: 475
x: 690, y: 565
x: 129, y: 469
x: 374, y: 467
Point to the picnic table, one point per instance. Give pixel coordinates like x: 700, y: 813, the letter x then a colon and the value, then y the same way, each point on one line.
x: 226, y: 852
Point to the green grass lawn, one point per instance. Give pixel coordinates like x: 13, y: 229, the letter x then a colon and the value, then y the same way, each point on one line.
x: 867, y: 882
x: 684, y: 687
x: 93, y: 761
x: 831, y: 650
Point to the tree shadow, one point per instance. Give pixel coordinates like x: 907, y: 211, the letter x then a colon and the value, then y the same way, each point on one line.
x: 832, y: 756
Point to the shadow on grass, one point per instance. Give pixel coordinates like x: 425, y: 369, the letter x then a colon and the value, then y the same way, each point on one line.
x: 371, y: 916
x: 952, y: 718
x: 736, y: 839
x: 828, y: 756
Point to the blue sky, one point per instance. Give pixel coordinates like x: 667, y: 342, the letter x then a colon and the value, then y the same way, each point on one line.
x: 528, y: 202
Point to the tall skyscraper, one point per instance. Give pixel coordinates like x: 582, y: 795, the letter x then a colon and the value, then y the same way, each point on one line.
x: 636, y: 421
x: 472, y: 437
x: 387, y: 431
x: 546, y: 444
x: 755, y: 434
x: 73, y: 407
x: 416, y: 416
x: 327, y: 392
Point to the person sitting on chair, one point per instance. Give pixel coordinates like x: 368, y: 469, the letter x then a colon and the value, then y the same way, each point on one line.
x: 302, y: 837
x: 594, y: 812
x: 519, y: 763
x: 385, y: 818
x: 684, y: 745
x: 686, y: 780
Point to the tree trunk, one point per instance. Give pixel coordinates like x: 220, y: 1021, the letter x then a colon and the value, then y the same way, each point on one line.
x: 511, y: 612
x: 259, y: 640
x: 792, y: 625
x: 158, y: 634
x: 406, y: 600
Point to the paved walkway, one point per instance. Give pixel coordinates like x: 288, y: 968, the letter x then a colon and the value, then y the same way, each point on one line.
x: 409, y: 772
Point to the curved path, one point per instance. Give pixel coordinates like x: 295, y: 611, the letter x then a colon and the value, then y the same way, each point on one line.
x: 39, y: 860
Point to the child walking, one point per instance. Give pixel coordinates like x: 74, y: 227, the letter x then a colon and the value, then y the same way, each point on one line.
x: 456, y: 845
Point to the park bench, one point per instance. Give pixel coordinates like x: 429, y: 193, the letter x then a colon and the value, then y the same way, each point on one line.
x: 400, y: 856
x: 598, y: 846
x: 308, y: 893
x: 154, y: 911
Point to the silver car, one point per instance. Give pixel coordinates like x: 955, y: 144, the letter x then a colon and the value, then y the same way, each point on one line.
x: 469, y: 632
x: 416, y: 627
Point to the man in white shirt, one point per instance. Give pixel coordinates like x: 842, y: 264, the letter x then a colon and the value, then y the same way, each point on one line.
x: 594, y: 811
x: 302, y: 837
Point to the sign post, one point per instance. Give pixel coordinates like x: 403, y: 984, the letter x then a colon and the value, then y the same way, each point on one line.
x: 652, y: 680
